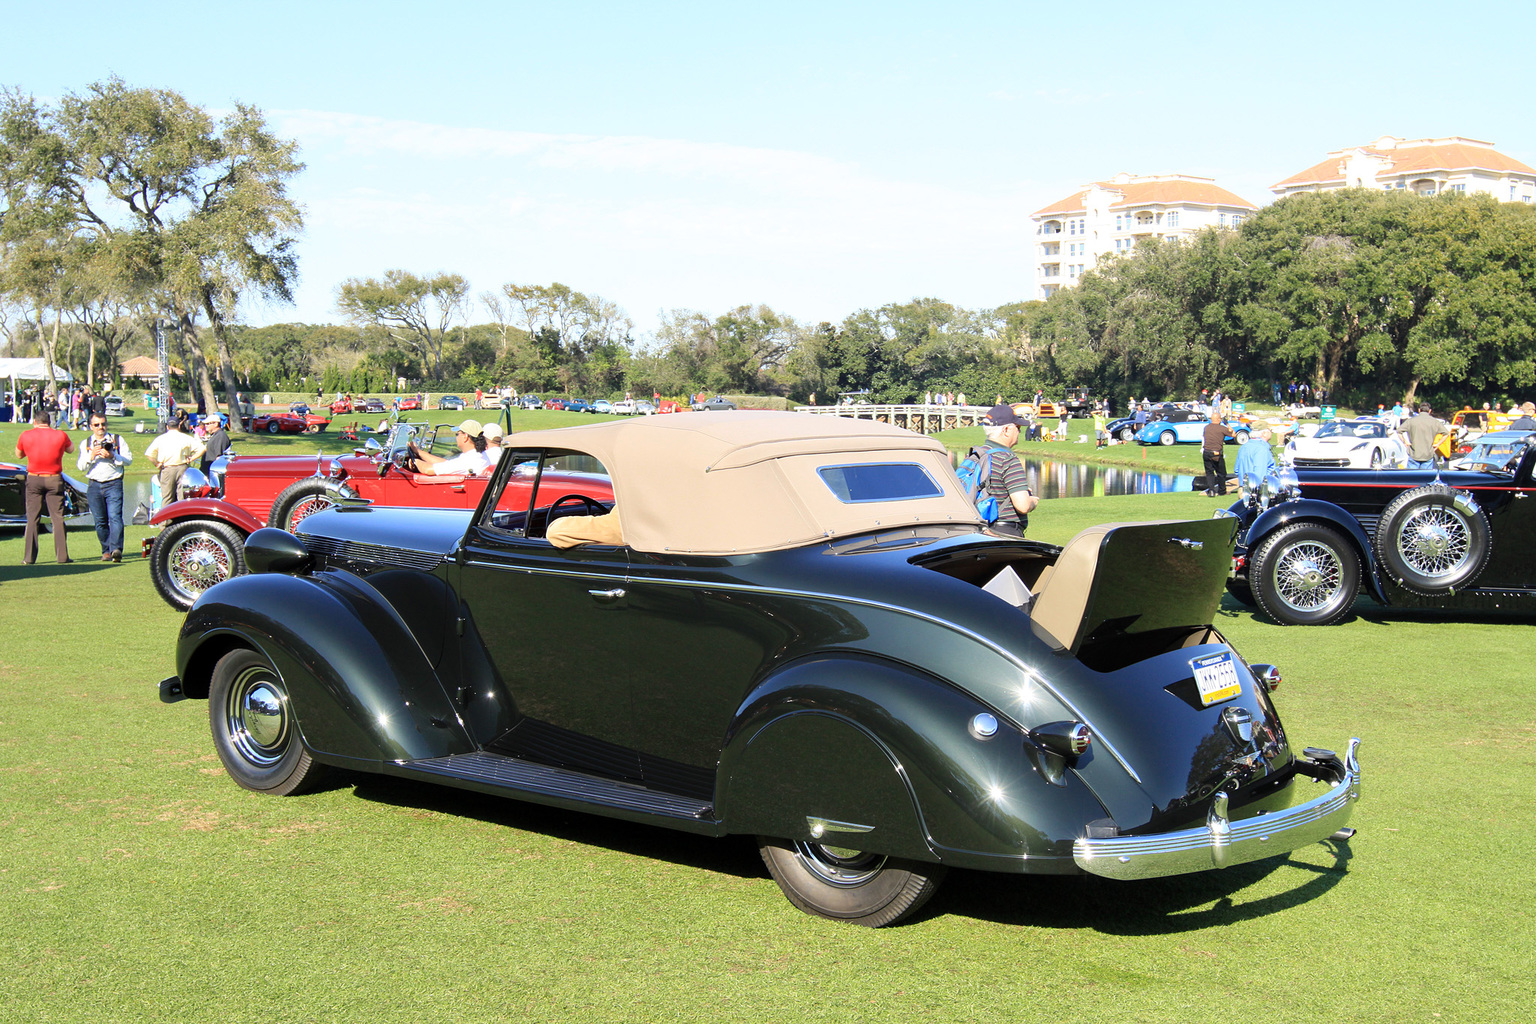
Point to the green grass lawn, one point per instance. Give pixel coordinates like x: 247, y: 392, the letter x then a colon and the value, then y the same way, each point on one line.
x: 137, y: 883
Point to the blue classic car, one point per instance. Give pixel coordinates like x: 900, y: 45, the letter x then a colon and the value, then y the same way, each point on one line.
x: 1184, y: 426
x: 791, y: 627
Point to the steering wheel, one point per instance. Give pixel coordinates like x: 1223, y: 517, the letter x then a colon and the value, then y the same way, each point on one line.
x: 593, y: 506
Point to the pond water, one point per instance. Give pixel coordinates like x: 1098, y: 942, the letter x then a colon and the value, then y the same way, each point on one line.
x: 1054, y: 479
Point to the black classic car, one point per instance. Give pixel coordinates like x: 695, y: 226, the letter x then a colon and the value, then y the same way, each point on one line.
x: 790, y: 627
x: 1416, y: 538
x: 13, y: 501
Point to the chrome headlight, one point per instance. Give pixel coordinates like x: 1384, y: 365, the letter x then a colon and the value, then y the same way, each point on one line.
x: 335, y: 472
x: 1281, y: 484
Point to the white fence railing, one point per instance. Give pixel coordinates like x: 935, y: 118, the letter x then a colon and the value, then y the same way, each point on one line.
x: 925, y: 419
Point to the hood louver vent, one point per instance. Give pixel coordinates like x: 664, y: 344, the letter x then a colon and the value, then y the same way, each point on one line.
x: 362, y: 558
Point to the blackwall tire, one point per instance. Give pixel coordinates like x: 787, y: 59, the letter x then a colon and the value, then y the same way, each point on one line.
x: 273, y: 426
x: 1305, y: 575
x: 1431, y: 539
x: 298, y: 501
x: 844, y: 885
x: 1167, y: 437
x: 1242, y: 592
x: 254, y: 728
x: 190, y: 556
x: 1127, y: 434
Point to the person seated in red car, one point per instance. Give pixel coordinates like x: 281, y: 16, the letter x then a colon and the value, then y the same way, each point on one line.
x: 469, y: 436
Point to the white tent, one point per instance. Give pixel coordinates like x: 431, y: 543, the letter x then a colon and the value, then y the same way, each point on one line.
x: 31, y: 369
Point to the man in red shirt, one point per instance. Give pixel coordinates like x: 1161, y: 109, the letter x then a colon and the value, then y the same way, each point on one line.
x: 43, y: 447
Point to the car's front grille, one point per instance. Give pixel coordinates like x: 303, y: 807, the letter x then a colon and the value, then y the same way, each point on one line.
x: 361, y: 557
x: 1320, y: 463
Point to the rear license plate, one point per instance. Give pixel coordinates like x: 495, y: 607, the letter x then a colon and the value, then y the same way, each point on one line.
x: 1216, y: 677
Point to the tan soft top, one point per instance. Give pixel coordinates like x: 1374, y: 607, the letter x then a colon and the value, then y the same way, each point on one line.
x: 738, y: 482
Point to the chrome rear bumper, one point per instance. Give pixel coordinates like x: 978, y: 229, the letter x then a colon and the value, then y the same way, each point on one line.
x: 1222, y: 842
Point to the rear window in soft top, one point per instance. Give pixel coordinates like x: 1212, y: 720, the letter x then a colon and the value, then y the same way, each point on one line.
x: 879, y: 481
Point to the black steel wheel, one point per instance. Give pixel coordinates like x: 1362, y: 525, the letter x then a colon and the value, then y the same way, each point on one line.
x: 254, y: 729
x: 298, y: 501
x: 848, y: 885
x: 1433, y: 538
x: 190, y: 556
x: 1305, y: 575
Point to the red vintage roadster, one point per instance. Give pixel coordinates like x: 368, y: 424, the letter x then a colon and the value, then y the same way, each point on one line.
x: 204, y: 537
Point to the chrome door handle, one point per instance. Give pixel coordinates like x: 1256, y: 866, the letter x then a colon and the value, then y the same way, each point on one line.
x: 608, y: 595
x: 1192, y: 545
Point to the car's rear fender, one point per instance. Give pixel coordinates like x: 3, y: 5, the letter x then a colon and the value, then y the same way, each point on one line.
x: 1324, y: 513
x: 858, y: 752
x: 207, y: 508
x: 362, y: 688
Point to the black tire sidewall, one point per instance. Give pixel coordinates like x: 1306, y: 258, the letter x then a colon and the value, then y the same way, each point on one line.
x: 293, y: 770
x: 895, y: 892
x: 1260, y: 573
x: 288, y: 497
x: 1478, y: 541
x: 159, y: 556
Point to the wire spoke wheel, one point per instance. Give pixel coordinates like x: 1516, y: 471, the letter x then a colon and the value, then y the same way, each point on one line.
x: 1305, y: 574
x: 1434, y: 541
x: 1308, y: 576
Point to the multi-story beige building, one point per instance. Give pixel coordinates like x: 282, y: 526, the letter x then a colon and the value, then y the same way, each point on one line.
x: 1111, y: 216
x: 1424, y: 166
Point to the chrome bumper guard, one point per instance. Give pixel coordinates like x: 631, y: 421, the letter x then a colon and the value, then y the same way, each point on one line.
x: 1222, y: 842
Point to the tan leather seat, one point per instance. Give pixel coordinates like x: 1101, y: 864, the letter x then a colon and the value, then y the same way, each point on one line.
x: 1062, y: 600
x: 1062, y: 592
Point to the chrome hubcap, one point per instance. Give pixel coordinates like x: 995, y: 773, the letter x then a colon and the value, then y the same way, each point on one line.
x: 257, y: 718
x: 198, y: 561
x: 1308, y: 576
x: 1433, y: 541
x: 838, y: 866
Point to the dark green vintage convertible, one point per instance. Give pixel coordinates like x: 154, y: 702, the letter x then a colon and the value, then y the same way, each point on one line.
x: 790, y: 627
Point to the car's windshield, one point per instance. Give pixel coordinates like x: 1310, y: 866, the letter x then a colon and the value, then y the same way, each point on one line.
x: 1352, y: 428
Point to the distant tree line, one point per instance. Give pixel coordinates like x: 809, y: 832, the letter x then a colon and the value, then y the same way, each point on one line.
x: 120, y: 206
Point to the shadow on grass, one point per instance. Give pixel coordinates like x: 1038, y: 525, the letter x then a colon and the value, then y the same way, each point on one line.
x: 1160, y: 906
x: 1156, y: 906
x: 47, y: 567
x: 734, y: 855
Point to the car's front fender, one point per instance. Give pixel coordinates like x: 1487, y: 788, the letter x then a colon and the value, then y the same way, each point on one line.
x: 207, y: 508
x: 361, y: 685
x: 1312, y: 510
x: 854, y: 751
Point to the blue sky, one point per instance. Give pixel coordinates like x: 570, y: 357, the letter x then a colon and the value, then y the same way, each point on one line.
x: 820, y: 158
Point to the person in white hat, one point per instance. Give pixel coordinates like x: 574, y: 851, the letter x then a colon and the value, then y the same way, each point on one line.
x: 493, y: 443
x: 469, y: 436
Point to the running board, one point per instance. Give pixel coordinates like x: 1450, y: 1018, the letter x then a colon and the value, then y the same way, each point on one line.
x: 513, y: 777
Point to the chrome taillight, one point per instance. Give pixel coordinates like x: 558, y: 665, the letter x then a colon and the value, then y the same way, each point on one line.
x: 1068, y: 739
x: 1267, y: 675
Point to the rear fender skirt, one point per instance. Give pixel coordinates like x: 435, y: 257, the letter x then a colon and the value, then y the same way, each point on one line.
x: 1327, y: 513
x: 361, y: 686
x: 207, y: 508
x: 884, y: 758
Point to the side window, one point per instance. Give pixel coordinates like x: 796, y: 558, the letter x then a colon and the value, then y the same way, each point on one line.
x: 543, y: 485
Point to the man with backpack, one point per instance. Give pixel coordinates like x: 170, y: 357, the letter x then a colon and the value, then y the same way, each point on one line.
x: 998, y: 473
